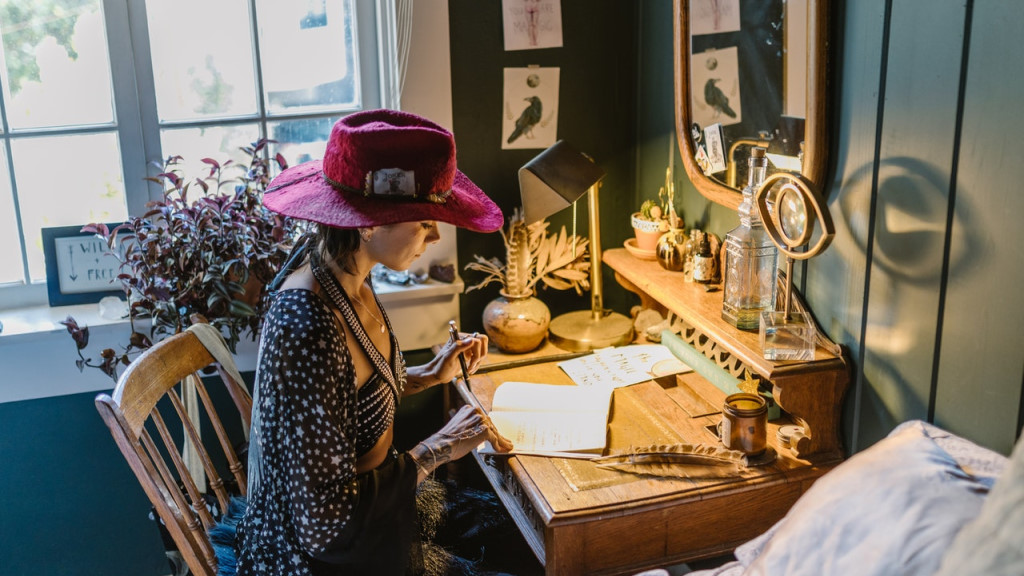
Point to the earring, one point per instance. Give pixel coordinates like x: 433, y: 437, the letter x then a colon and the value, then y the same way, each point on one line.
x: 365, y: 235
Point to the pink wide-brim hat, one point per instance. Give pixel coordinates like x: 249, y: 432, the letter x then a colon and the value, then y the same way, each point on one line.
x: 383, y: 167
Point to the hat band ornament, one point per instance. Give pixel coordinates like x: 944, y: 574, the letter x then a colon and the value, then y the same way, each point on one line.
x: 394, y: 183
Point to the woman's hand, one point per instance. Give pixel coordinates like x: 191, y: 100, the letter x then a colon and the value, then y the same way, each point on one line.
x: 466, y: 430
x: 473, y: 347
x: 445, y: 366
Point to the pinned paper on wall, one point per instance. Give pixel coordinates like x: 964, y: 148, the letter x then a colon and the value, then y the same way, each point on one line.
x: 715, y: 77
x: 714, y: 146
x: 530, y: 115
x: 714, y: 16
x: 532, y: 24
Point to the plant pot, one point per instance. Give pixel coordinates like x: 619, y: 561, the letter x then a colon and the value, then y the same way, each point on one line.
x: 647, y: 232
x: 516, y: 324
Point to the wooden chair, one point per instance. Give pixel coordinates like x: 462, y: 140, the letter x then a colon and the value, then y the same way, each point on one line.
x: 131, y: 413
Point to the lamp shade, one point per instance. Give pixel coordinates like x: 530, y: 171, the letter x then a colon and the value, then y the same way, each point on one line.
x: 554, y: 179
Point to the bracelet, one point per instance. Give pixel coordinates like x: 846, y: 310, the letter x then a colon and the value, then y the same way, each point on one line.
x: 433, y: 461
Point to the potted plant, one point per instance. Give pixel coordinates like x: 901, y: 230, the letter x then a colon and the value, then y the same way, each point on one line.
x: 655, y: 218
x: 208, y: 254
x: 517, y: 321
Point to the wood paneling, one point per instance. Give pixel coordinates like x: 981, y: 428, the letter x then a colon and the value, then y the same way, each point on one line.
x: 979, y: 385
x: 835, y: 281
x: 916, y: 146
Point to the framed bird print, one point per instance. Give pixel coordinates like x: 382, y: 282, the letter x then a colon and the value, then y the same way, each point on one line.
x: 715, y: 78
x: 530, y: 108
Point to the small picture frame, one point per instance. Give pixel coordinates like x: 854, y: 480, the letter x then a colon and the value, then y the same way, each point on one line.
x: 80, y: 269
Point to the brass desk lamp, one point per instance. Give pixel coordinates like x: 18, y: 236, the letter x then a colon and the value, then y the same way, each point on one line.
x: 551, y: 181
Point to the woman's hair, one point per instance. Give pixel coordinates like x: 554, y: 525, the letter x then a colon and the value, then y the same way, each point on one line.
x: 337, y: 244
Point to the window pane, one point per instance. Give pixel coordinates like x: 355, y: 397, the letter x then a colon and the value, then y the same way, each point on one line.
x: 89, y: 187
x: 202, y: 58
x: 308, y: 55
x: 10, y: 256
x: 220, y: 143
x: 57, y: 69
x: 300, y: 140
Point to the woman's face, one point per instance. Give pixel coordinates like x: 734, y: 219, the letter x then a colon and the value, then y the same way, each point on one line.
x: 397, y: 245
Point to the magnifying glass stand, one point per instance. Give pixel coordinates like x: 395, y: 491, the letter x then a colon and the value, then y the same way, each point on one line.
x: 787, y: 334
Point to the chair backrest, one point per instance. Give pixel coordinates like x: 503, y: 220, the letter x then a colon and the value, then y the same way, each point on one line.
x: 132, y: 413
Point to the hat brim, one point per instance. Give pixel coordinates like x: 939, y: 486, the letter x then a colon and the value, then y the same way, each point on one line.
x: 302, y: 192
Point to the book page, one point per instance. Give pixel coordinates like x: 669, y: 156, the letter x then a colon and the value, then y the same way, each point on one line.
x: 623, y: 366
x: 531, y: 397
x: 550, y: 419
x: 551, y: 431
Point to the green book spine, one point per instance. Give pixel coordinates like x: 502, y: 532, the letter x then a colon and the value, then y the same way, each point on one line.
x: 701, y: 363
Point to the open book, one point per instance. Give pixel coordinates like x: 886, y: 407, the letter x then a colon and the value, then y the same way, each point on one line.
x: 623, y: 366
x: 551, y: 419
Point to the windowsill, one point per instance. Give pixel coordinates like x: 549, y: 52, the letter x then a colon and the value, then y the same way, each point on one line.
x: 42, y: 319
x: 39, y: 356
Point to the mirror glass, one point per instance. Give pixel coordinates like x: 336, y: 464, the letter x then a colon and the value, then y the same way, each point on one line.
x: 749, y: 73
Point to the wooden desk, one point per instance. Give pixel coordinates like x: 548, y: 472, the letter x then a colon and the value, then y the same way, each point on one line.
x: 582, y: 520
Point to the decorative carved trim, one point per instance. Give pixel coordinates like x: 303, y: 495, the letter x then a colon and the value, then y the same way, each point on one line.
x: 711, y: 349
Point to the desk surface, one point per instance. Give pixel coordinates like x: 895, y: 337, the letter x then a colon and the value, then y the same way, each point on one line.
x: 583, y: 520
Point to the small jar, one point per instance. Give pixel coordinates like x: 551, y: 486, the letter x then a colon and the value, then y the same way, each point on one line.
x: 704, y: 262
x: 689, y: 251
x: 745, y: 423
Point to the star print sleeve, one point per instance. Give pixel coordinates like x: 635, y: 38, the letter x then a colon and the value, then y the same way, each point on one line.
x: 334, y: 512
x: 319, y: 443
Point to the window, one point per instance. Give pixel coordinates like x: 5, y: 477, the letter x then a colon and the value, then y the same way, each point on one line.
x: 96, y: 90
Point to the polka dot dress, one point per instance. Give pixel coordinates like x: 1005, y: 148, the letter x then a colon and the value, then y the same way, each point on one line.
x: 308, y: 492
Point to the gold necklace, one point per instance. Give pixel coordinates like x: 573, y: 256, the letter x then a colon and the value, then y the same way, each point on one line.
x: 379, y: 321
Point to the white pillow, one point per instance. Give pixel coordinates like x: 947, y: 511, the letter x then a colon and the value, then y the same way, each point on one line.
x: 991, y: 543
x: 891, y: 509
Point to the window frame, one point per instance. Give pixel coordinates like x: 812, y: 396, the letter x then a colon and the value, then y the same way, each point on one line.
x: 136, y: 120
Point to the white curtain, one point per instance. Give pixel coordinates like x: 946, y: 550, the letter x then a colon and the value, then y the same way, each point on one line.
x: 403, y: 28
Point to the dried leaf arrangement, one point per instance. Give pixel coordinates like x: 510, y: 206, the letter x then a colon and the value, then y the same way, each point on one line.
x: 207, y: 252
x: 677, y: 461
x: 532, y: 257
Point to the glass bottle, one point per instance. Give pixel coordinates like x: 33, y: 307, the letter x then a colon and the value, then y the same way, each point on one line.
x: 750, y: 257
x: 704, y: 262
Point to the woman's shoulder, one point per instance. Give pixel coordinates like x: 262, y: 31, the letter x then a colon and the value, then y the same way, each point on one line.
x: 298, y: 308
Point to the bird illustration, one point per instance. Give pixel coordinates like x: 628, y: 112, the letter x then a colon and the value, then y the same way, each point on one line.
x: 528, y: 119
x: 717, y: 99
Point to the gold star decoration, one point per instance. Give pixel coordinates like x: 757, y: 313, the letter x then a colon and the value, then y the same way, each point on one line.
x: 750, y: 383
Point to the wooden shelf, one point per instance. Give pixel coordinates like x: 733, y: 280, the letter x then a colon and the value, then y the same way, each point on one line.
x: 810, y: 391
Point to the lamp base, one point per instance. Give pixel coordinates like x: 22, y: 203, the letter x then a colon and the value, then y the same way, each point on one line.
x: 579, y: 331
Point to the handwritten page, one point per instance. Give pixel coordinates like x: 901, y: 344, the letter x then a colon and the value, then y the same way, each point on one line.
x: 623, y: 366
x: 551, y: 419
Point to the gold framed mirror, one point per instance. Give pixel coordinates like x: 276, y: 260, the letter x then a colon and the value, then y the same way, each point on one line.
x: 750, y: 73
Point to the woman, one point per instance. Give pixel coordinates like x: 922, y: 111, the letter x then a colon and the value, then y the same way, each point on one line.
x: 328, y: 494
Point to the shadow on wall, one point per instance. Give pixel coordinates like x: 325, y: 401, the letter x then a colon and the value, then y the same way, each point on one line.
x: 910, y: 222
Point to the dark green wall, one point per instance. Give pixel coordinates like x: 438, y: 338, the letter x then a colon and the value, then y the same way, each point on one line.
x: 597, y: 103
x: 69, y: 504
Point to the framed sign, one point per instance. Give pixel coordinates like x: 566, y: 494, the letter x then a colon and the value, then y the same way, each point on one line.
x: 80, y: 269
